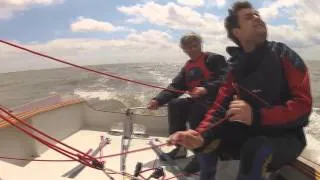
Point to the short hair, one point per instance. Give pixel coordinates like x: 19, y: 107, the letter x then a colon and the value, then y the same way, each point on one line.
x: 231, y: 21
x: 190, y: 37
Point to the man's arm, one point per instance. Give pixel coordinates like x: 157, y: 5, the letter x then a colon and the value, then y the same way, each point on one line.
x: 219, y: 106
x: 178, y: 83
x: 296, y: 110
x: 218, y: 66
x: 217, y: 111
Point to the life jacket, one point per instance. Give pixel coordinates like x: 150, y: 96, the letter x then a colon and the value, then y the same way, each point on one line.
x: 196, y: 72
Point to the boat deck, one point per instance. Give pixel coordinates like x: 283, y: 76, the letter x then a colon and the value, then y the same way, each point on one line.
x: 84, y: 140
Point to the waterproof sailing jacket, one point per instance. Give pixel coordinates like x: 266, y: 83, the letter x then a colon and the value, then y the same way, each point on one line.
x: 274, y: 81
x: 207, y: 71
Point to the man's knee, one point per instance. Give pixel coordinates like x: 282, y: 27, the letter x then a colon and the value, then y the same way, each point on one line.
x: 256, y: 155
x: 252, y: 145
x: 286, y: 150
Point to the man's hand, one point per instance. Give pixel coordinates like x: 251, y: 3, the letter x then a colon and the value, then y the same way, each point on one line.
x: 197, y: 92
x: 153, y: 105
x: 190, y: 139
x: 240, y: 111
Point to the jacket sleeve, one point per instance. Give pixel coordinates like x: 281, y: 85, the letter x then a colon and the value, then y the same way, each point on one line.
x: 218, y: 66
x: 217, y: 111
x: 296, y: 110
x: 178, y: 83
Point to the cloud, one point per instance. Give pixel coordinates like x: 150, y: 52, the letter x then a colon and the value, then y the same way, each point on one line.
x: 147, y: 46
x: 176, y: 17
x: 290, y: 35
x: 307, y: 17
x: 218, y: 3
x: 90, y: 25
x: 209, y: 4
x: 303, y: 32
x: 221, y: 3
x: 151, y: 37
x: 191, y: 3
x: 303, y: 13
x: 173, y: 16
x: 272, y: 10
x: 9, y: 7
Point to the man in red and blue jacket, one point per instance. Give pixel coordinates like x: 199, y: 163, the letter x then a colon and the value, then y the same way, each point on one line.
x: 260, y: 111
x: 201, y: 77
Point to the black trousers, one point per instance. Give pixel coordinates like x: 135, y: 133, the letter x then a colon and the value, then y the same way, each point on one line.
x: 186, y: 110
x: 257, y: 153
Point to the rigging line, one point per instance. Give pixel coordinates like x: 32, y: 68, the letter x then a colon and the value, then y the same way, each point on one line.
x: 92, y: 70
x: 58, y: 149
x: 88, y: 69
x: 47, y: 136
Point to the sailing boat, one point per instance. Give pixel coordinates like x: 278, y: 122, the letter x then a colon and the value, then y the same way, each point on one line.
x: 99, y: 144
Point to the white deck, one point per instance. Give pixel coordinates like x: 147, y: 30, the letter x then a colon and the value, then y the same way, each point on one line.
x: 84, y: 140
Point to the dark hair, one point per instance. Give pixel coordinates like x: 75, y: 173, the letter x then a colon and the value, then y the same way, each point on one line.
x: 231, y: 21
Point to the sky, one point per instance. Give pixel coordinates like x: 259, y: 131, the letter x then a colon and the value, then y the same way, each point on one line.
x: 90, y: 32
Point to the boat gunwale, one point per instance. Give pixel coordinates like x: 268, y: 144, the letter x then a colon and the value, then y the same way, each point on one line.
x: 30, y: 113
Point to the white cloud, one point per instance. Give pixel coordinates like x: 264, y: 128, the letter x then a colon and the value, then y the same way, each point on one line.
x: 9, y: 7
x: 136, y: 20
x: 215, y: 3
x: 90, y: 25
x: 307, y: 17
x: 290, y: 35
x: 148, y: 46
x: 191, y: 3
x: 221, y: 3
x: 304, y: 13
x: 173, y: 16
x: 272, y: 10
x: 304, y: 31
x: 150, y: 37
x: 181, y: 18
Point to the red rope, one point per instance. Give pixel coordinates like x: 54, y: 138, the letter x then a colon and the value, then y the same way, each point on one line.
x: 64, y: 152
x: 88, y: 69
x: 47, y: 136
x: 82, y: 159
x: 264, y: 102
